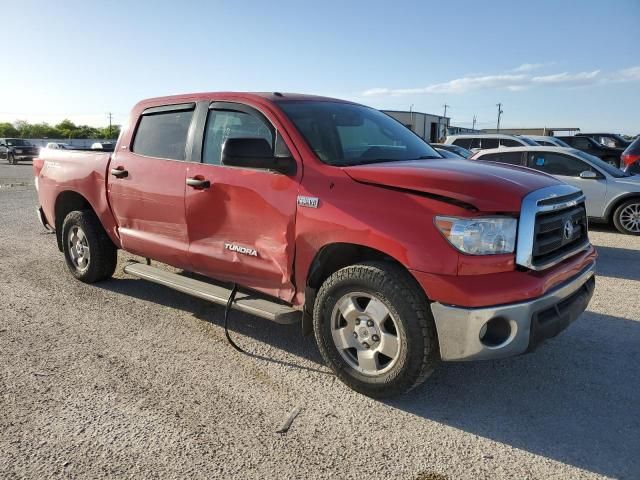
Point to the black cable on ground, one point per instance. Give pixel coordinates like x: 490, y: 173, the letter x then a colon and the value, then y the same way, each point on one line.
x: 227, y: 310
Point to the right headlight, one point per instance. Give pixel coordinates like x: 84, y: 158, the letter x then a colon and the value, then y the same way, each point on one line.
x: 479, y: 236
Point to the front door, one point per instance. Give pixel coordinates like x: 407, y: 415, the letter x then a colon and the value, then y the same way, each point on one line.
x: 241, y: 225
x: 146, y: 186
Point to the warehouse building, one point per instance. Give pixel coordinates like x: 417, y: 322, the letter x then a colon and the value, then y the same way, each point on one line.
x: 431, y: 128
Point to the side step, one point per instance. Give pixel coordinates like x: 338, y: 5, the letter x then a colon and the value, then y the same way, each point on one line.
x: 245, y: 302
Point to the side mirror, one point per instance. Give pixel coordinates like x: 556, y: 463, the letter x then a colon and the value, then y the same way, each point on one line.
x: 255, y: 153
x: 588, y: 174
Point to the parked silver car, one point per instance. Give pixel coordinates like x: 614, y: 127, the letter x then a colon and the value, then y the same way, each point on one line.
x: 612, y: 195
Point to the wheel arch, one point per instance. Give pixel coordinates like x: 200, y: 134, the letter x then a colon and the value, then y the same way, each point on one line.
x: 331, y: 258
x: 613, y: 206
x: 66, y: 202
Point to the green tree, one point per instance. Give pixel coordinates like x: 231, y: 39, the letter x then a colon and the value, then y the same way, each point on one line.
x: 112, y: 134
x: 8, y: 130
x: 67, y: 128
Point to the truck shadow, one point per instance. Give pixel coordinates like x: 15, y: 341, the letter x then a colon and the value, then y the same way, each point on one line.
x: 575, y: 400
x: 617, y: 262
x: 284, y: 337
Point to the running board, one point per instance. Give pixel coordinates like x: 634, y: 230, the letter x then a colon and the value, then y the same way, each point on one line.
x: 245, y: 302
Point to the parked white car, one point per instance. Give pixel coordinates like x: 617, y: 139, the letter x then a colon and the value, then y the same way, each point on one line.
x: 58, y: 146
x: 611, y: 194
x: 547, y: 141
x: 475, y: 142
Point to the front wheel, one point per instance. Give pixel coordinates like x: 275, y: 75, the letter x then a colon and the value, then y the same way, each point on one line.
x: 11, y: 159
x: 90, y: 254
x: 375, y: 329
x: 626, y: 218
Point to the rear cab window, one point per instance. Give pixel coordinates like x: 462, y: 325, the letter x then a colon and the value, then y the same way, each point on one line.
x: 162, y: 132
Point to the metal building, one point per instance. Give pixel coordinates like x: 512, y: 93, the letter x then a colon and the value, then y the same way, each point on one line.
x: 431, y: 128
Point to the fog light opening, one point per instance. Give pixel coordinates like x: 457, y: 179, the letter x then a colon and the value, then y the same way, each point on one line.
x: 495, y: 332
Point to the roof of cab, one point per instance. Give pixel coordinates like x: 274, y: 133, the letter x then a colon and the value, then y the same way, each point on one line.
x: 274, y: 97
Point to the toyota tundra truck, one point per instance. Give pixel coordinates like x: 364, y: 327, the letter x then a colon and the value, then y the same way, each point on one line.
x: 332, y: 215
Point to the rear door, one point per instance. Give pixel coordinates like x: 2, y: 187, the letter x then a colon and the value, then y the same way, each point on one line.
x: 568, y: 169
x: 146, y: 185
x: 241, y: 227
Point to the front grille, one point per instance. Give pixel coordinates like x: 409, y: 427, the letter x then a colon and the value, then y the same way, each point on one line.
x: 558, y: 233
x: 552, y: 226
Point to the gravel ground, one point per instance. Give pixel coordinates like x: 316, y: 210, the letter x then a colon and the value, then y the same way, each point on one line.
x: 128, y: 379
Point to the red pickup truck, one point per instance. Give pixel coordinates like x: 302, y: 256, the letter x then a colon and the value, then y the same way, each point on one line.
x: 334, y: 215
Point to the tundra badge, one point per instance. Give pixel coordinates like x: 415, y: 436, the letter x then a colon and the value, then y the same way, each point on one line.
x: 240, y: 249
x: 311, y: 202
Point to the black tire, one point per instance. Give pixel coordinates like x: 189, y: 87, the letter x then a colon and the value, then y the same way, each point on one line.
x: 623, y: 215
x: 103, y: 255
x: 11, y: 159
x: 408, y: 307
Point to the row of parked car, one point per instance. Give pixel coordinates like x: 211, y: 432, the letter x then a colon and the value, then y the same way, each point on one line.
x: 18, y: 149
x: 612, y: 194
x: 611, y: 148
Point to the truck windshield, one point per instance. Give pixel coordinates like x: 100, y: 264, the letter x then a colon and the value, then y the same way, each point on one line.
x: 345, y: 134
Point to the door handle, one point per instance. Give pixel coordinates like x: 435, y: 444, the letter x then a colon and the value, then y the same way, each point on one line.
x: 119, y: 172
x: 198, y: 183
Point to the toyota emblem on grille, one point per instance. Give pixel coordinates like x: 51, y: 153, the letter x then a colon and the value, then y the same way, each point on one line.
x: 568, y: 229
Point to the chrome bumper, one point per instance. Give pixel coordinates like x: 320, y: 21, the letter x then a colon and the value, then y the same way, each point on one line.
x: 462, y: 332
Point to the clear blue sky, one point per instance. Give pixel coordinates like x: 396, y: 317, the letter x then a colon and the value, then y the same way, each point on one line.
x: 554, y: 63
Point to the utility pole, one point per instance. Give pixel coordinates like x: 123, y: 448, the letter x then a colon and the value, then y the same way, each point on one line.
x: 440, y: 123
x: 474, y: 123
x: 500, y: 112
x: 110, y: 116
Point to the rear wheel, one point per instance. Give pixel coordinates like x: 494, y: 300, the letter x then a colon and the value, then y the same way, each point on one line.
x: 88, y: 251
x: 375, y: 330
x: 626, y: 218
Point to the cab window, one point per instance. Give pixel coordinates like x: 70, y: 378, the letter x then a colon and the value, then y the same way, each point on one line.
x: 223, y: 124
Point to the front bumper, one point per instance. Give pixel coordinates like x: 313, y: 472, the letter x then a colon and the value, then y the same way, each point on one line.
x: 465, y: 334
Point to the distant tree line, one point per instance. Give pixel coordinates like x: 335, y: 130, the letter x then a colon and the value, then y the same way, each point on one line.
x: 64, y: 129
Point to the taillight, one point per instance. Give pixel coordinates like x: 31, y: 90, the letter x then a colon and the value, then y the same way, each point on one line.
x: 630, y: 158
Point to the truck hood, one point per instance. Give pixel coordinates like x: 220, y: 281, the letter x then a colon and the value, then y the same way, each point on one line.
x: 487, y: 186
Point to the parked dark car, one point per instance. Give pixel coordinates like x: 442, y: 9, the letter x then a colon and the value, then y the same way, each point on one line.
x: 461, y: 151
x: 631, y: 157
x: 15, y: 149
x: 607, y: 139
x: 589, y: 145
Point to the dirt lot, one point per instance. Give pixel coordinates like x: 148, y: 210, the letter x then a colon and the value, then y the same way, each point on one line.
x: 127, y: 379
